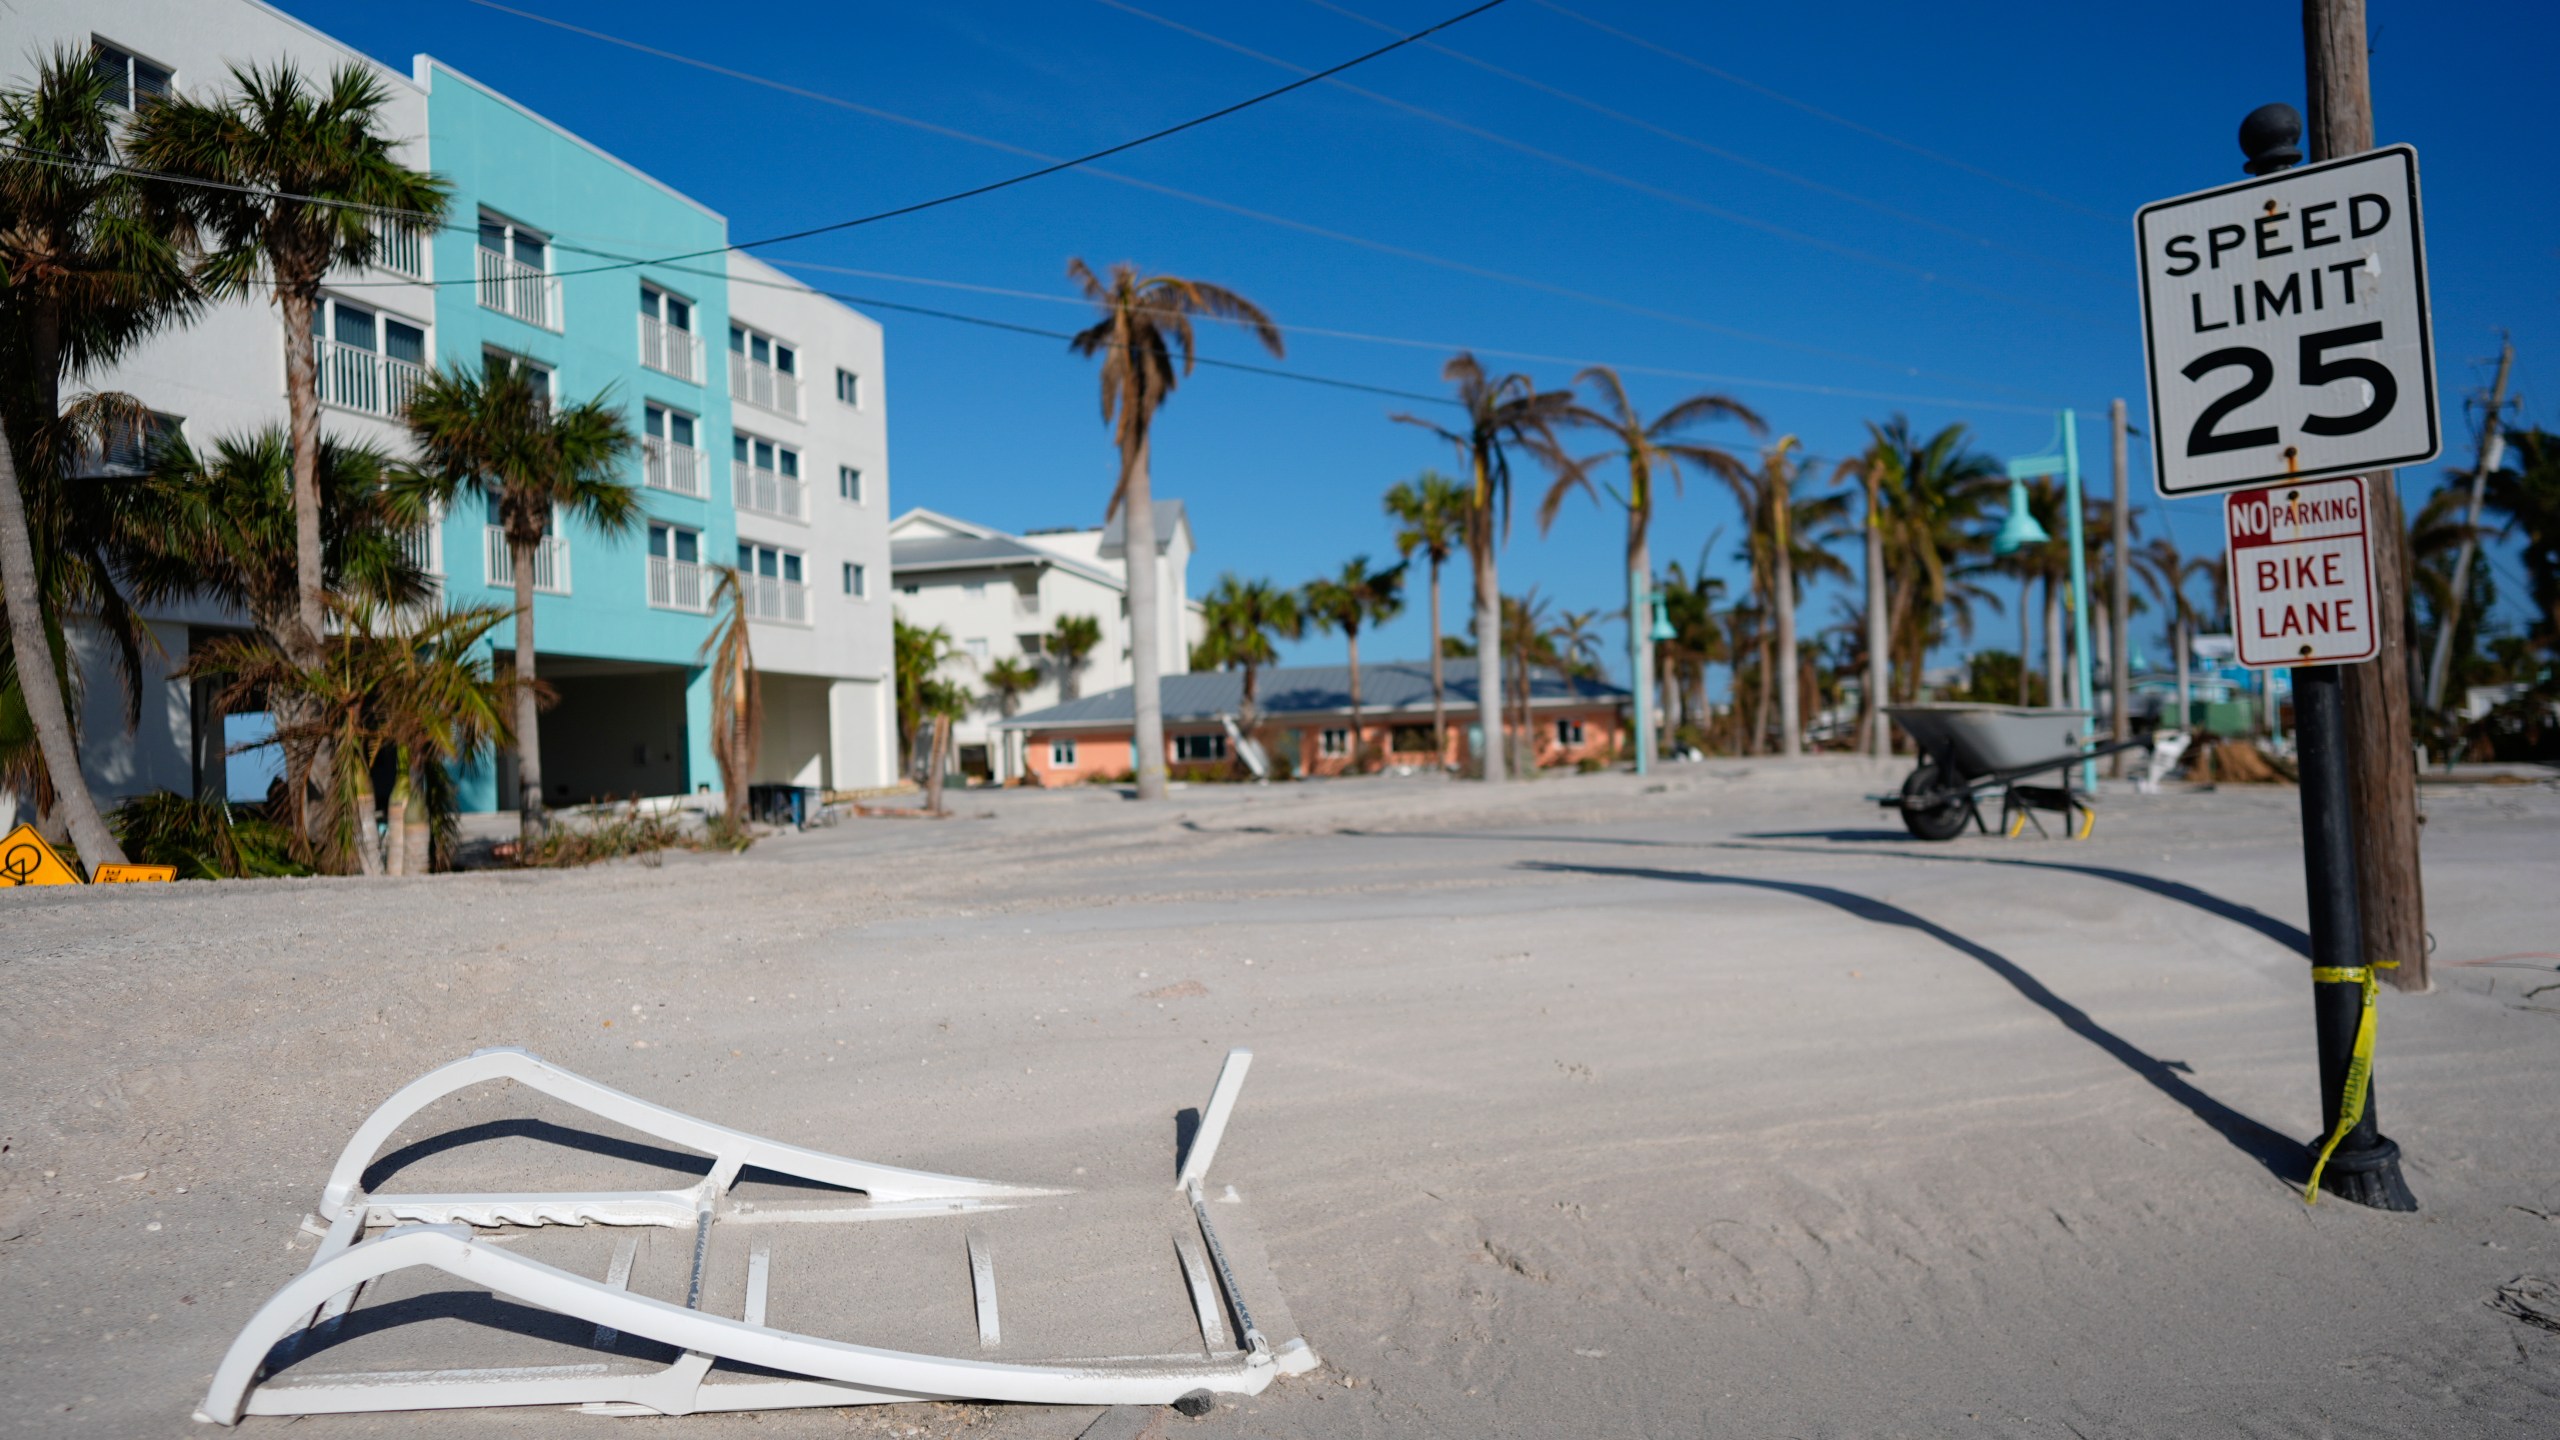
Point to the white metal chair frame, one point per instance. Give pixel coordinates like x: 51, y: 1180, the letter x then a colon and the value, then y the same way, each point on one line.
x: 437, y: 1232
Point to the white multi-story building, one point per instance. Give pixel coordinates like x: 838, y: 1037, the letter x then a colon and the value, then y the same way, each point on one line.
x: 759, y: 404
x: 999, y: 595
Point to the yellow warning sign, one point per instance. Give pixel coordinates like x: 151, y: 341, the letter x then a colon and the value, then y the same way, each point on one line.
x: 26, y: 860
x: 133, y: 874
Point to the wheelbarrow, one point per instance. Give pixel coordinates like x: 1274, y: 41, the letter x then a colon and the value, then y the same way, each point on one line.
x: 1967, y: 750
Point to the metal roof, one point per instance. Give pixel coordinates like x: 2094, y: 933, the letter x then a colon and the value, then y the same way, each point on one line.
x: 1392, y: 686
x: 951, y: 552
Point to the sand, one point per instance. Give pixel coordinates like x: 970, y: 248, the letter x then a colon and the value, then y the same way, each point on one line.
x: 1705, y: 1106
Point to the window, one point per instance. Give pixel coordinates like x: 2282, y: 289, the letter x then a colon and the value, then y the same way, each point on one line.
x: 127, y: 447
x: 974, y: 589
x: 774, y: 585
x: 763, y: 371
x: 1335, y: 742
x: 506, y: 238
x: 132, y: 82
x: 1032, y: 644
x: 976, y: 645
x: 667, y: 342
x: 673, y: 426
x: 514, y: 272
x: 849, y: 484
x: 849, y: 388
x: 765, y: 477
x: 857, y: 580
x: 367, y: 360
x: 1062, y: 751
x: 911, y: 589
x: 1212, y: 746
x: 670, y: 457
x: 1568, y: 732
x: 675, y: 568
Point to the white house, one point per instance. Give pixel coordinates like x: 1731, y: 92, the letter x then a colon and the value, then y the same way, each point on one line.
x: 998, y: 596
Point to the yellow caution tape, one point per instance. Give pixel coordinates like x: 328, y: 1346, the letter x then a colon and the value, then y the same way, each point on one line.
x: 2359, y: 1066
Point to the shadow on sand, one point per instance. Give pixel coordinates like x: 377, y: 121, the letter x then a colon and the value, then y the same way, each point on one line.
x: 2280, y: 1154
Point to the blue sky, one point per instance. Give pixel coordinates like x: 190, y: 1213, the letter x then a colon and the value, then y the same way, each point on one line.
x: 1955, y: 244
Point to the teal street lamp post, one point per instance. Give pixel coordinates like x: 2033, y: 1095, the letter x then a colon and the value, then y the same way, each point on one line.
x: 1640, y: 642
x: 2066, y: 463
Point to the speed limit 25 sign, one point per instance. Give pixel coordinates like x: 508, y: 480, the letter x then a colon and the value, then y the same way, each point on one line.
x: 2284, y: 320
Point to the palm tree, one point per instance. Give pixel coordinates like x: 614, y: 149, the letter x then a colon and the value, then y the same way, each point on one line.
x: 89, y: 264
x: 1008, y: 680
x: 1145, y: 323
x: 303, y: 179
x: 1935, y: 494
x: 918, y: 655
x: 2166, y: 572
x: 2525, y: 496
x: 1786, y: 546
x: 1575, y: 638
x: 222, y: 527
x: 1652, y: 451
x: 737, y: 692
x: 497, y: 436
x: 1529, y: 639
x: 1500, y: 415
x: 1243, y: 618
x: 1069, y: 643
x: 413, y: 687
x: 1346, y: 602
x: 1697, y: 642
x: 1430, y: 515
x: 1871, y: 467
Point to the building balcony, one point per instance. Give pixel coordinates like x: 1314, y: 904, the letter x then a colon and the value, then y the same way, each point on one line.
x: 768, y: 492
x: 400, y: 249
x: 364, y: 380
x: 550, y: 562
x: 771, y: 598
x: 677, y: 585
x: 511, y: 287
x: 670, y: 351
x: 1026, y: 603
x: 676, y: 469
x: 754, y: 382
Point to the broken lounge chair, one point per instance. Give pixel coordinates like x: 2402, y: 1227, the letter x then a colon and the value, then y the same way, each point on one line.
x: 658, y: 1355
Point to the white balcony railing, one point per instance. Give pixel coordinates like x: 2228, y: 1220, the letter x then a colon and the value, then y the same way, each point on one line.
x: 550, y: 562
x: 768, y: 492
x: 358, y: 379
x: 400, y: 248
x: 759, y: 384
x: 772, y: 598
x: 511, y: 287
x: 676, y: 469
x: 676, y: 585
x: 670, y: 351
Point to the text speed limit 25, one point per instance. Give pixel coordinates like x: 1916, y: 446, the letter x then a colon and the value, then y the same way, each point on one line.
x: 2285, y: 327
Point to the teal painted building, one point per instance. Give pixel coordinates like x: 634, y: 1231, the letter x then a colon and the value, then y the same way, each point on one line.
x: 620, y: 639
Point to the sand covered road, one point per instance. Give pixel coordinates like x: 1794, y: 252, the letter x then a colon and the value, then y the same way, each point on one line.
x: 1704, y: 1108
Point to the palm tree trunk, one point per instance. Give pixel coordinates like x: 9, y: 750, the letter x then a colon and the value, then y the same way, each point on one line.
x: 1879, y: 726
x: 1640, y: 685
x: 302, y: 406
x: 2053, y: 643
x: 528, y: 714
x: 2026, y: 635
x: 1351, y: 637
x: 396, y: 840
x: 1759, y: 695
x: 1480, y: 538
x: 38, y: 682
x: 2178, y: 637
x: 1139, y: 529
x: 368, y: 846
x: 936, y: 761
x: 1790, y: 696
x: 1439, y: 695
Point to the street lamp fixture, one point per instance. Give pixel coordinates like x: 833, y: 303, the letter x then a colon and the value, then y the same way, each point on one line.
x: 2020, y: 529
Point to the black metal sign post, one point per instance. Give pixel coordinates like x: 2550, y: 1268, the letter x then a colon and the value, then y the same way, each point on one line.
x: 2358, y: 1165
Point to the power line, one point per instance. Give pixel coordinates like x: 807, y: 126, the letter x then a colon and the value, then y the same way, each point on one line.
x: 1403, y: 252
x: 1053, y: 167
x: 1448, y: 346
x: 1818, y: 112
x: 1612, y: 177
x: 1679, y: 138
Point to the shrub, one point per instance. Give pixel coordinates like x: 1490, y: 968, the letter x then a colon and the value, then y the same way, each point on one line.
x: 205, y: 839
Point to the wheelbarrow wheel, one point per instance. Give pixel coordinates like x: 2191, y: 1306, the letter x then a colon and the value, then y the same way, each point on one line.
x: 1942, y: 821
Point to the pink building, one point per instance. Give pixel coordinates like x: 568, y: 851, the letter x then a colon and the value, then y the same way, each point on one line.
x: 1304, y: 722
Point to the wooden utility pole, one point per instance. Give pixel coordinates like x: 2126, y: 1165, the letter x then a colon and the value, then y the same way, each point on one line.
x: 2381, y: 763
x: 2119, y: 597
x: 2493, y: 450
